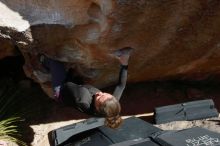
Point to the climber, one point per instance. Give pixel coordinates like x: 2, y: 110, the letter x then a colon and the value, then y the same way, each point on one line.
x: 87, y: 98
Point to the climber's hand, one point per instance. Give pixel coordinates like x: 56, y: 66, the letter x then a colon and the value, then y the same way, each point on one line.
x: 123, y: 55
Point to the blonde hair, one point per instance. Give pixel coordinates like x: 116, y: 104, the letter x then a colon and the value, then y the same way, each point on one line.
x: 111, y: 109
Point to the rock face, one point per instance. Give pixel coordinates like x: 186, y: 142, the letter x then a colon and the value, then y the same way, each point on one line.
x: 171, y: 38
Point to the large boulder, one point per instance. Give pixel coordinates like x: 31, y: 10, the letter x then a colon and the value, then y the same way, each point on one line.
x: 171, y: 38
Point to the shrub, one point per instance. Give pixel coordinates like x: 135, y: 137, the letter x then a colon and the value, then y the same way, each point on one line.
x: 9, y: 116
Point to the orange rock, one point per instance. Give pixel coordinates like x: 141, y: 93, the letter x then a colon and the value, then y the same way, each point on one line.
x: 172, y: 39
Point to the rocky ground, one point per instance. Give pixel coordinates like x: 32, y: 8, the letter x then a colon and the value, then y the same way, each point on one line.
x: 212, y: 124
x: 139, y: 99
x: 41, y: 131
x: 42, y: 114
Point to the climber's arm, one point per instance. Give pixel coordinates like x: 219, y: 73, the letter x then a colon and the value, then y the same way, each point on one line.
x: 121, y: 82
x: 123, y: 57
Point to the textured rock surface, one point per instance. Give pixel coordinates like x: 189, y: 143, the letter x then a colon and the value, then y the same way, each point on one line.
x: 172, y: 38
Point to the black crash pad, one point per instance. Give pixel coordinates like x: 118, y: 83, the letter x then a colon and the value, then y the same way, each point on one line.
x: 88, y: 138
x: 137, y: 142
x: 61, y: 135
x: 186, y: 111
x: 91, y: 132
x: 132, y: 128
x: 189, y: 137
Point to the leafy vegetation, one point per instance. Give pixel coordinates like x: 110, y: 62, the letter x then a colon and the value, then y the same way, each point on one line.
x: 9, y: 131
x: 9, y: 119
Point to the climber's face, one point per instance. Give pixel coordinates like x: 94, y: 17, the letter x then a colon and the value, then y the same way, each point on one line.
x: 100, y: 99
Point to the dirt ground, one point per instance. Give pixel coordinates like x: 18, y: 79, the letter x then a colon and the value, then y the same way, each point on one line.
x: 41, y: 114
x: 41, y: 131
x: 138, y: 99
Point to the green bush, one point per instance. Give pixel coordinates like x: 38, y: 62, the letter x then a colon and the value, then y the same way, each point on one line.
x: 9, y: 119
x: 9, y: 131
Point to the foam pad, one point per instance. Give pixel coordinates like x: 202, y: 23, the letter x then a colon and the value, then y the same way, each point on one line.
x: 190, y: 137
x: 137, y: 142
x: 186, y: 111
x: 88, y: 138
x: 62, y: 134
x: 92, y: 131
x: 132, y: 128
